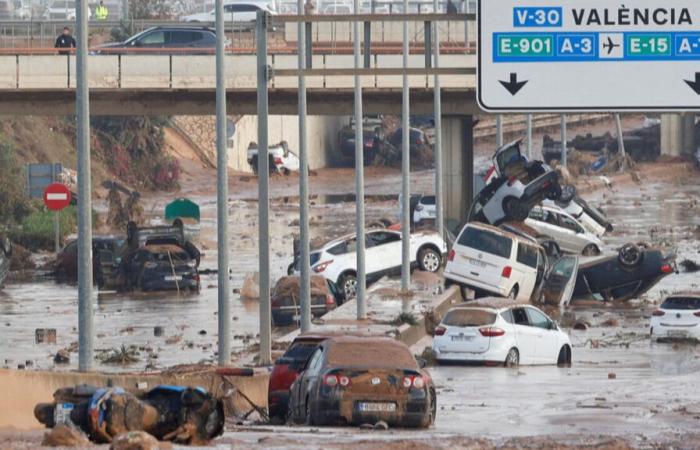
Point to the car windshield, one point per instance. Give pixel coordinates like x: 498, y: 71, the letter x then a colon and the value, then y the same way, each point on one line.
x: 299, y: 352
x: 486, y: 241
x: 681, y: 303
x: 469, y: 318
x: 508, y: 156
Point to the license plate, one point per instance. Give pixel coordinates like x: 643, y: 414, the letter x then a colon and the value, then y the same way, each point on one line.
x: 677, y: 333
x: 376, y: 407
x: 461, y: 338
x: 478, y: 263
x: 61, y: 413
x: 173, y: 278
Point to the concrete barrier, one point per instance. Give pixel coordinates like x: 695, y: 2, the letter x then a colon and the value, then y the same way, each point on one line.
x: 410, y: 334
x: 22, y: 390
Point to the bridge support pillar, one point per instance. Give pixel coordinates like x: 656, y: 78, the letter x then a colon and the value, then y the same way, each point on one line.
x: 458, y: 167
x: 677, y: 134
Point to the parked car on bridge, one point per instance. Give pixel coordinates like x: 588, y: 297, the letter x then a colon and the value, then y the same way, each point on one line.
x: 498, y: 332
x: 337, y: 260
x: 356, y: 380
x: 243, y: 12
x: 5, y: 255
x: 678, y: 317
x: 514, y: 186
x: 62, y: 10
x: 555, y: 223
x: 165, y: 39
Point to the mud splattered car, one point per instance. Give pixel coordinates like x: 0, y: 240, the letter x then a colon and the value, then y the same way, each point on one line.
x: 286, y: 299
x: 358, y: 380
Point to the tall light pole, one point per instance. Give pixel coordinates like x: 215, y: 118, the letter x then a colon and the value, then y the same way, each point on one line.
x: 359, y: 177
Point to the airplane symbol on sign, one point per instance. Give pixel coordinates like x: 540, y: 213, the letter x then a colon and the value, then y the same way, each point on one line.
x: 610, y: 45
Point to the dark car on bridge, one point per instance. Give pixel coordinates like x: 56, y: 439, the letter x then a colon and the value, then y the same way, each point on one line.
x: 165, y: 39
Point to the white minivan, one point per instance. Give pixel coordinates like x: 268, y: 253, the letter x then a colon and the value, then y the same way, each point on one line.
x: 491, y: 261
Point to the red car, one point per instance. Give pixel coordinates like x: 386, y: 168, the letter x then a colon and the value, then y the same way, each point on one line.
x: 286, y: 371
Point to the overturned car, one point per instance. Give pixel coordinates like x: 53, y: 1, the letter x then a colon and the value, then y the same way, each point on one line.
x: 183, y: 415
x: 514, y: 186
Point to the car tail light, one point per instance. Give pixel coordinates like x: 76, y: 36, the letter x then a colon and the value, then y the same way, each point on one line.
x: 658, y: 313
x: 440, y: 331
x: 666, y: 268
x: 491, y: 332
x: 696, y: 314
x: 335, y: 380
x: 278, y: 160
x: 419, y: 208
x: 451, y: 255
x: 330, y: 301
x: 507, y: 270
x: 320, y: 267
x: 415, y: 381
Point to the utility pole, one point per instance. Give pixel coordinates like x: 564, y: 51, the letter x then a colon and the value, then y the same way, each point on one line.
x: 304, y: 261
x: 529, y: 136
x: 405, y: 172
x: 499, y: 131
x: 437, y: 111
x: 621, y: 143
x: 359, y: 177
x: 224, y: 315
x: 263, y: 192
x: 82, y: 103
x: 563, y: 141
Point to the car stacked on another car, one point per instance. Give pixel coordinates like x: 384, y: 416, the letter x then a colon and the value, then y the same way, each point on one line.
x: 572, y: 236
x: 337, y: 260
x: 357, y: 380
x: 514, y: 186
x: 500, y: 332
x: 678, y: 317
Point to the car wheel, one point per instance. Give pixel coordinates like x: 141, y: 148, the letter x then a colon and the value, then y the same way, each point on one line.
x: 433, y: 406
x: 429, y: 260
x: 513, y: 294
x: 591, y: 250
x: 348, y: 285
x: 254, y: 164
x: 564, y: 358
x: 514, y: 209
x: 512, y: 358
x: 630, y: 255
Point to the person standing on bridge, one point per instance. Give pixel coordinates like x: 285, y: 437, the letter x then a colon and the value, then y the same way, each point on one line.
x: 65, y: 40
x: 101, y: 12
x: 451, y: 7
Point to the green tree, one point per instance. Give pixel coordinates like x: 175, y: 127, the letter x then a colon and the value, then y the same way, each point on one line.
x: 14, y: 203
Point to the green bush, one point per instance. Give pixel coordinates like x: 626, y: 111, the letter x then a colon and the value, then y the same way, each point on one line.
x: 14, y: 203
x: 36, y: 230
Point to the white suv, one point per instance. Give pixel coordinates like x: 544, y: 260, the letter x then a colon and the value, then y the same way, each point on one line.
x: 337, y: 260
x: 492, y: 261
x: 569, y: 233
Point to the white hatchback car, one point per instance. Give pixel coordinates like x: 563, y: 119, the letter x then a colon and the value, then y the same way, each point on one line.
x: 337, y: 260
x: 592, y: 219
x: 496, y: 331
x: 678, y: 317
x: 570, y: 234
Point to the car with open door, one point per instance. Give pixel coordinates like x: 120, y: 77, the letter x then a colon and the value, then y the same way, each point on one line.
x: 494, y: 262
x: 514, y: 185
x: 356, y: 380
x: 495, y: 331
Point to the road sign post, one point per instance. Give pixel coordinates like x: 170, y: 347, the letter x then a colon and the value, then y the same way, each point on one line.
x: 577, y: 55
x: 56, y: 198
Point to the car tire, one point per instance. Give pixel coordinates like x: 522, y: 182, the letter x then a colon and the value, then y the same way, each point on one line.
x: 591, y: 250
x: 429, y: 260
x: 564, y: 359
x: 348, y: 285
x: 514, y: 209
x: 309, y: 416
x: 429, y: 418
x: 630, y: 255
x: 254, y: 164
x: 512, y: 358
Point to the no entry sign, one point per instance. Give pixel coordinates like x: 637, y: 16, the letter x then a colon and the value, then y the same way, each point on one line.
x: 56, y: 196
